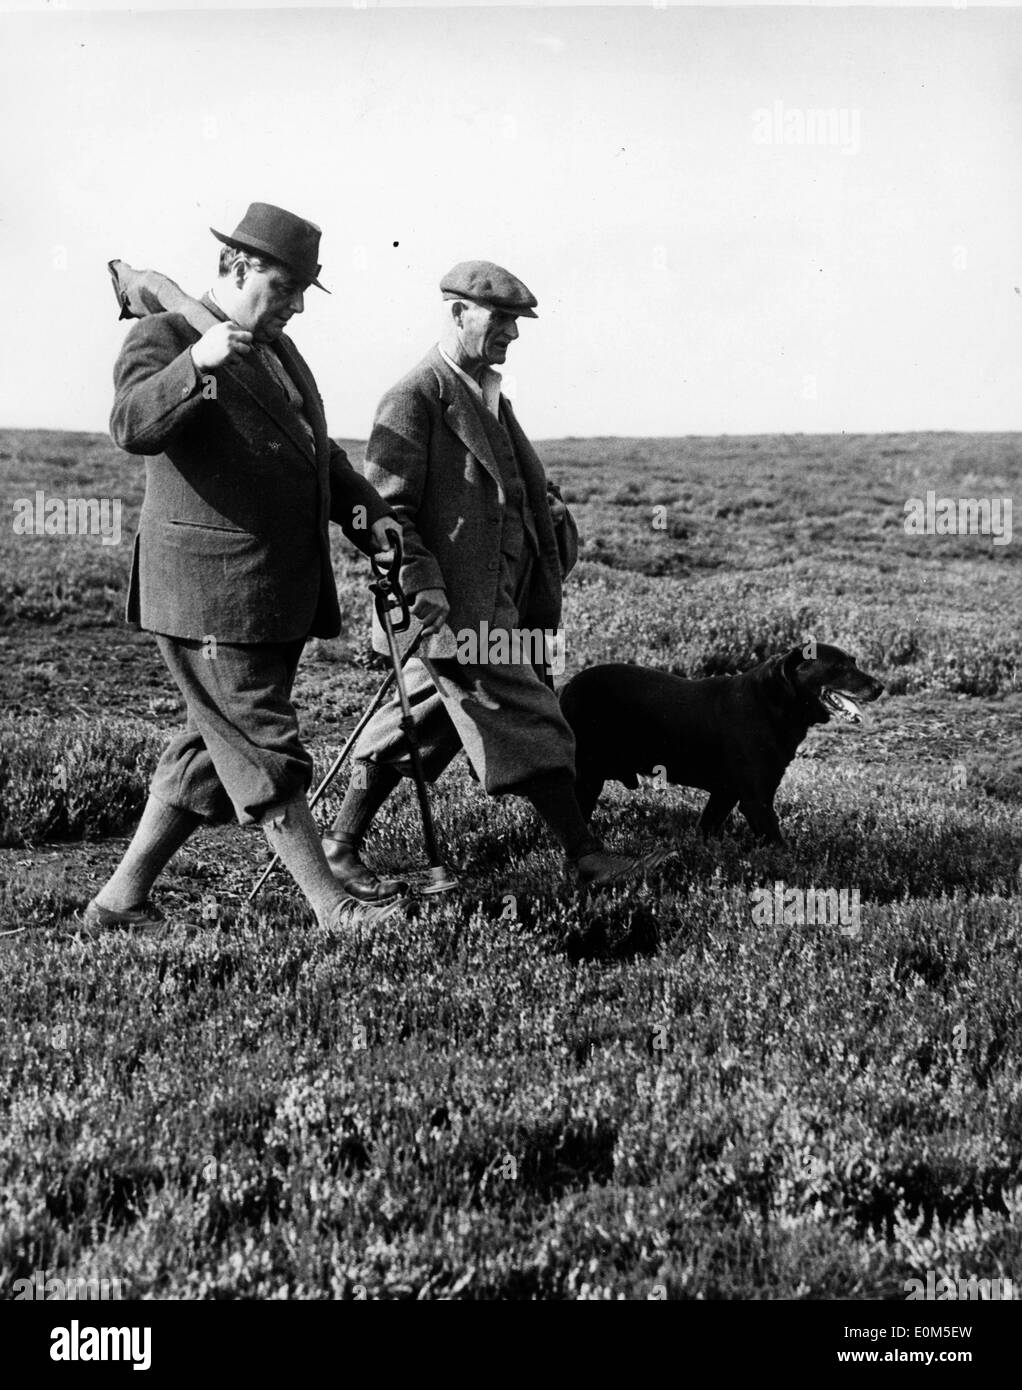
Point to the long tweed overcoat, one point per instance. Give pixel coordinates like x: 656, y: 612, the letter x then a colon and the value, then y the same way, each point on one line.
x: 429, y: 458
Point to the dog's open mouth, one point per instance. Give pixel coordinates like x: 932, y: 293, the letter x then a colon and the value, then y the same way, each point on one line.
x: 837, y: 702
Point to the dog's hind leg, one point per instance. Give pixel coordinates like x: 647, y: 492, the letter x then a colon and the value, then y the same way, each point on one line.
x: 588, y: 786
x: 762, y: 819
x: 716, y: 812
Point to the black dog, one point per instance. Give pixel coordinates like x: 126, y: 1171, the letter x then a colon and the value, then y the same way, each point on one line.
x: 734, y: 736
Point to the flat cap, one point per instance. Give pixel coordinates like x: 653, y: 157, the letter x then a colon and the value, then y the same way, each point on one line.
x: 486, y: 283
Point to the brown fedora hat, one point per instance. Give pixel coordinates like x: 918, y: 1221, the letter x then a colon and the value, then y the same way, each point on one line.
x: 271, y: 231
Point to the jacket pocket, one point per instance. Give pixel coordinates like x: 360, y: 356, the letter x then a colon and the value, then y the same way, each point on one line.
x: 208, y: 526
x: 194, y: 538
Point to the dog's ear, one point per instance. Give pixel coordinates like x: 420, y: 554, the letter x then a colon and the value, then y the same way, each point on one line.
x: 789, y: 665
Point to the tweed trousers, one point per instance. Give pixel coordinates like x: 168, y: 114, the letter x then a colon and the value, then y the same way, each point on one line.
x: 505, y: 715
x: 240, y: 752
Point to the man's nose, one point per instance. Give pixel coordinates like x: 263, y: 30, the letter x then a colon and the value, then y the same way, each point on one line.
x: 298, y: 302
x: 512, y: 331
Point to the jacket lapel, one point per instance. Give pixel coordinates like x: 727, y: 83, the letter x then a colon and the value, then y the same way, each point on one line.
x: 254, y: 378
x: 528, y: 459
x: 461, y: 415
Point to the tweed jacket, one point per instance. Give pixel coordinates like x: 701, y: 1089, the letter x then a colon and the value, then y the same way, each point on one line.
x: 233, y: 537
x: 430, y: 459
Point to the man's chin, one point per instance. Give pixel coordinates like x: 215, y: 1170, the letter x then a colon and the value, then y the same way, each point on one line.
x: 269, y: 332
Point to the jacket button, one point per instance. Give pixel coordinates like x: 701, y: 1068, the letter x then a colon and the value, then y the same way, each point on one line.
x: 186, y: 391
x: 491, y: 564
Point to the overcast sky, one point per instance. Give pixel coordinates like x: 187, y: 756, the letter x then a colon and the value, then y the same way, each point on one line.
x: 698, y: 270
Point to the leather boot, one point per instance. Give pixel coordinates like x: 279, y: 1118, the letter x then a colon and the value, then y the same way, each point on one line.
x: 358, y: 881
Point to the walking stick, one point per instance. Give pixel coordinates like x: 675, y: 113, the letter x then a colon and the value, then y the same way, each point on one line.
x: 389, y: 598
x: 339, y: 761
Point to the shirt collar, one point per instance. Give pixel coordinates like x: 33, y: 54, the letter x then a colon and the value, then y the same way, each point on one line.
x: 486, y: 389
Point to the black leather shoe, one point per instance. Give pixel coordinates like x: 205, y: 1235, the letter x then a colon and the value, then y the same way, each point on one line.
x: 358, y: 881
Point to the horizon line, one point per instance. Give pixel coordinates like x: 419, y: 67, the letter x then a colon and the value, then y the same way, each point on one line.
x: 561, y: 438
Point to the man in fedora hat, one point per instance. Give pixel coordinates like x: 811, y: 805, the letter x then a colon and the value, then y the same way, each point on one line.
x: 487, y: 542
x: 231, y: 565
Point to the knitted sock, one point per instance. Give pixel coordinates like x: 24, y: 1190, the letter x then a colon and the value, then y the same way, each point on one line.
x: 161, y: 832
x: 554, y: 799
x: 371, y: 783
x: 294, y: 835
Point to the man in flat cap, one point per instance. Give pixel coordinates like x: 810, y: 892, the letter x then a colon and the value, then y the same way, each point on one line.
x: 231, y: 566
x: 487, y: 542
